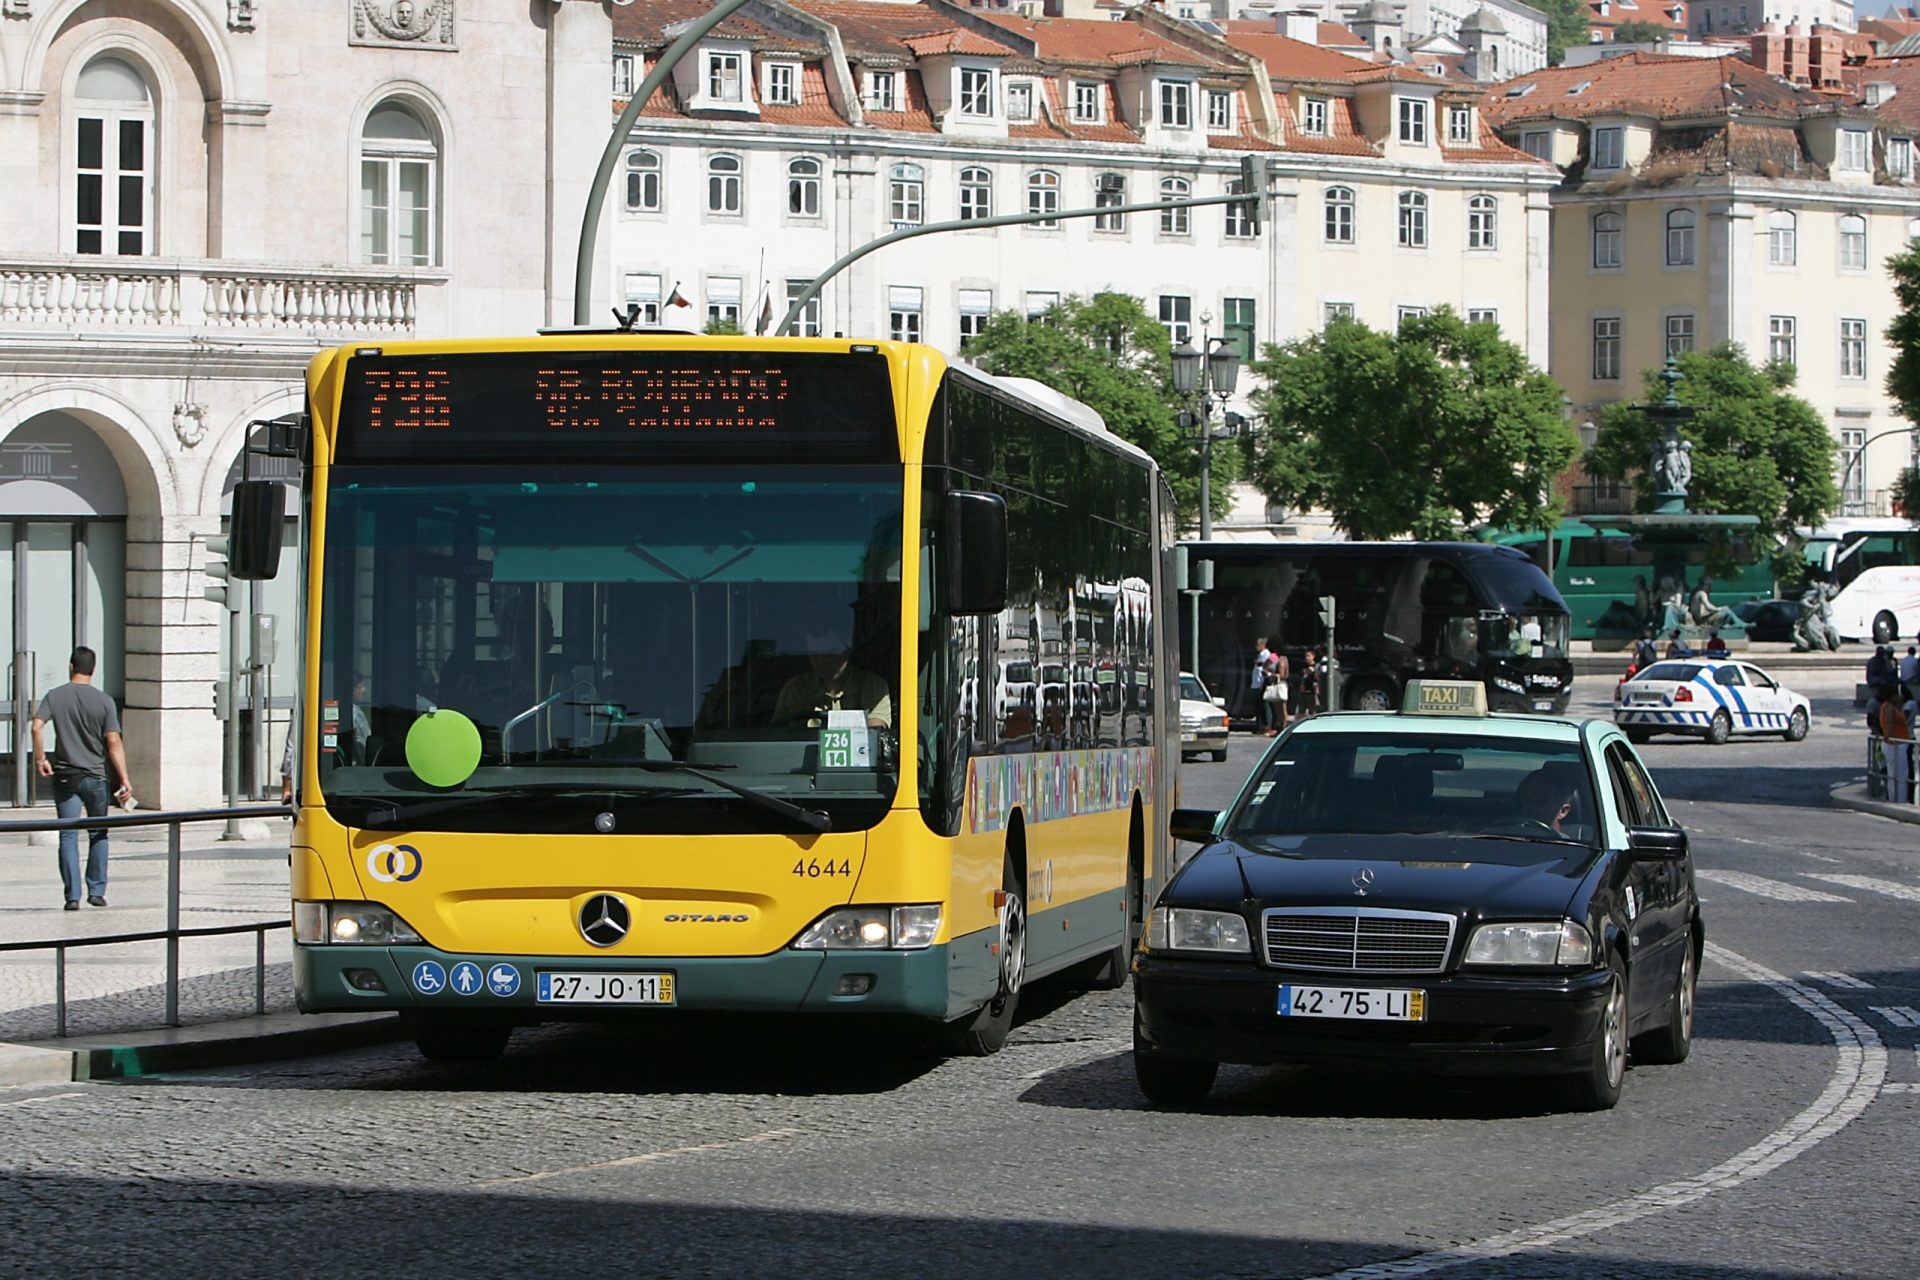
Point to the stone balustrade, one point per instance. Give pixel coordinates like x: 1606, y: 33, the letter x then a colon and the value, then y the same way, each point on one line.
x: 162, y: 294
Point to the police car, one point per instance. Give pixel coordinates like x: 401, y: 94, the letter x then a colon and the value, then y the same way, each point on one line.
x: 1713, y: 698
x: 1441, y: 889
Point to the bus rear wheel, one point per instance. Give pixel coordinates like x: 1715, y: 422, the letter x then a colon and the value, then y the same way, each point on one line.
x: 1370, y: 695
x: 985, y: 1032
x: 1886, y: 627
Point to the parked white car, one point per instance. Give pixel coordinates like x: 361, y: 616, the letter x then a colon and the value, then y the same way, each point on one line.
x: 1203, y: 720
x: 1712, y: 698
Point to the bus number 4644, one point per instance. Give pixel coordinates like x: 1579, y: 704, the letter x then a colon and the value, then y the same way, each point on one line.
x: 813, y: 868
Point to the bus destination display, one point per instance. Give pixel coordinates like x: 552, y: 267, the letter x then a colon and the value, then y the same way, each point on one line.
x: 480, y: 406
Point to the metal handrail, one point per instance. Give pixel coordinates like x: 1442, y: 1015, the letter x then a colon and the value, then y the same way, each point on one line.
x: 171, y: 935
x: 1879, y: 776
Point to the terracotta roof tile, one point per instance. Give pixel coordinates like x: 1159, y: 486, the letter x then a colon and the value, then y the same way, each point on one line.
x: 1903, y: 109
x: 814, y: 107
x: 1295, y: 59
x: 1649, y: 84
x: 1083, y: 42
x: 645, y: 24
x: 955, y: 41
x: 1489, y: 148
x: 1346, y: 139
x: 876, y: 28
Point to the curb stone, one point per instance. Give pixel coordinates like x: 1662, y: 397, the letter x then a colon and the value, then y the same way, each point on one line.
x: 215, y: 1044
x: 1853, y: 795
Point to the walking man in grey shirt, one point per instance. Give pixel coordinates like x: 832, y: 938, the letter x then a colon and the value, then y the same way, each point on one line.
x: 86, y: 736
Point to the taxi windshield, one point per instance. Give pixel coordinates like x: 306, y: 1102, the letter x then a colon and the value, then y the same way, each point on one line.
x: 1419, y: 784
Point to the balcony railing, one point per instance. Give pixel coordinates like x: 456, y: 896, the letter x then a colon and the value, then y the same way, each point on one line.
x: 158, y: 293
x: 1872, y: 502
x: 1601, y: 500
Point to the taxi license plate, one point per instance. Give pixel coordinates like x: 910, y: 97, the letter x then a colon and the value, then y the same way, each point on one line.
x: 604, y: 988
x: 1372, y: 1004
x: 1543, y: 704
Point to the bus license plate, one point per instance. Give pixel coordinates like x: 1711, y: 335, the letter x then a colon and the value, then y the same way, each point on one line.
x: 605, y: 988
x: 1373, y: 1004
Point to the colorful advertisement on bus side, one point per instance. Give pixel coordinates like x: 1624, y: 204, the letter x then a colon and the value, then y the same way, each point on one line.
x: 1055, y: 784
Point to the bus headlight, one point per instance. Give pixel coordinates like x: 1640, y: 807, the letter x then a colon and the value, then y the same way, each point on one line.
x: 1184, y: 929
x: 360, y: 924
x: 909, y: 928
x: 1541, y: 944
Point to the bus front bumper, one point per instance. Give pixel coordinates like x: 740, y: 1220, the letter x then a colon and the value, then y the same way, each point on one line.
x: 332, y: 979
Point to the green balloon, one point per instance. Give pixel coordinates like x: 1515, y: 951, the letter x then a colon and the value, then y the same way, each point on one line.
x: 443, y: 748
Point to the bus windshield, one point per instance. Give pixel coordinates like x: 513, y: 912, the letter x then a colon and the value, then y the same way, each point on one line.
x: 608, y: 630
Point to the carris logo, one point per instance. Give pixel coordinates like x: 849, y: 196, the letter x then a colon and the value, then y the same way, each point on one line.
x: 693, y: 918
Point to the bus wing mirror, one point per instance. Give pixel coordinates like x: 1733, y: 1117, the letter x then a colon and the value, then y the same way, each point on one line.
x: 259, y: 519
x: 975, y: 565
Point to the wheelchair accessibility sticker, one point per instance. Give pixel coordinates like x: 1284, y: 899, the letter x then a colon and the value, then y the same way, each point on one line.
x: 429, y: 979
x: 395, y: 863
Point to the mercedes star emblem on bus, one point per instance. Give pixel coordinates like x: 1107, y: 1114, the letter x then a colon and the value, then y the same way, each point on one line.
x: 1361, y: 879
x: 604, y: 920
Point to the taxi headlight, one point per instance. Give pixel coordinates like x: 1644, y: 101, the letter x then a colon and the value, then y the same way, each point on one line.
x: 1184, y: 929
x: 358, y: 924
x: 908, y: 928
x: 1539, y: 943
x: 1511, y: 686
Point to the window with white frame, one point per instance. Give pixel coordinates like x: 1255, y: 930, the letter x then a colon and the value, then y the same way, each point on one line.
x: 1609, y: 147
x: 1413, y: 220
x: 725, y: 74
x: 1856, y: 150
x: 1679, y: 333
x: 1781, y: 342
x: 1174, y: 222
x: 883, y: 90
x: 1040, y: 302
x: 1176, y: 104
x: 1538, y: 143
x: 1681, y: 229
x: 1853, y: 242
x: 643, y: 182
x: 723, y: 300
x: 1239, y: 219
x: 1413, y: 121
x: 803, y: 187
x: 1606, y: 349
x: 1176, y: 314
x: 1853, y: 443
x: 1459, y: 124
x: 976, y: 308
x: 723, y: 185
x: 906, y: 195
x: 1482, y: 222
x: 1900, y: 165
x: 1316, y: 116
x: 976, y: 194
x: 1853, y: 348
x: 976, y: 92
x: 399, y: 180
x: 1087, y: 99
x: 622, y: 74
x: 1483, y: 315
x: 1219, y: 111
x: 1332, y: 311
x: 1109, y: 191
x: 1019, y: 101
x: 782, y: 88
x: 808, y: 325
x: 1339, y: 217
x: 1783, y: 239
x: 642, y: 290
x: 1043, y: 195
x: 903, y: 313
x: 1607, y: 234
x: 1404, y: 314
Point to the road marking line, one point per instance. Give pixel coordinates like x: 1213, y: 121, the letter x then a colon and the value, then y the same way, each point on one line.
x: 1900, y: 1088
x: 1859, y: 1076
x: 1838, y: 979
x: 45, y: 1097
x: 645, y: 1157
x: 1892, y: 888
x: 1779, y: 890
x: 1899, y: 1015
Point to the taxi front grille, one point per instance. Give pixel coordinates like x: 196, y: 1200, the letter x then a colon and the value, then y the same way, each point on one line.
x: 1357, y: 939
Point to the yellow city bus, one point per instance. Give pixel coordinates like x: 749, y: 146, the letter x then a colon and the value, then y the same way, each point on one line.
x: 652, y: 672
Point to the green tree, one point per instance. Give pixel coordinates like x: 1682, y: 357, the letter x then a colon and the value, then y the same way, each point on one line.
x: 1423, y: 432
x: 1566, y: 25
x: 1639, y: 32
x: 1757, y: 449
x: 1108, y: 352
x: 723, y: 326
x: 1903, y: 377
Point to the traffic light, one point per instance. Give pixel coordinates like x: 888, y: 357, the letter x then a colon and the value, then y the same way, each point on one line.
x: 1326, y: 612
x: 220, y: 692
x: 220, y: 589
x: 1258, y: 209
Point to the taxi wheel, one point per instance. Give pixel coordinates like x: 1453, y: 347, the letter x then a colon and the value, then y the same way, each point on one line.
x: 1220, y: 756
x: 1672, y: 1043
x: 1598, y: 1087
x: 1639, y: 737
x: 986, y: 1032
x: 1720, y: 728
x: 1172, y: 1082
x: 1797, y: 725
x: 460, y: 1044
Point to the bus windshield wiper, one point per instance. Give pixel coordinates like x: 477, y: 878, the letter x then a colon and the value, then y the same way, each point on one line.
x: 812, y: 819
x: 399, y: 815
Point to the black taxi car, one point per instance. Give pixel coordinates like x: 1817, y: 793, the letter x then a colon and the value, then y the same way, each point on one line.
x: 1440, y: 889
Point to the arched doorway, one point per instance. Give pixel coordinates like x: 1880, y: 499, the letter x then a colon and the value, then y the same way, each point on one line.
x: 63, y: 526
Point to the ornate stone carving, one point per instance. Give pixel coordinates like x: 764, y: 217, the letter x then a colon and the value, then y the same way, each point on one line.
x: 239, y: 15
x: 417, y: 24
x: 189, y: 422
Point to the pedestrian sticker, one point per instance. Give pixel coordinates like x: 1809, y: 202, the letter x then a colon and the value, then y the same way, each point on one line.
x: 429, y: 979
x: 503, y: 979
x: 466, y: 978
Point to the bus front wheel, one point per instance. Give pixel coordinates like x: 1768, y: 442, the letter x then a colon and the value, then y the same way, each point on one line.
x: 460, y: 1042
x: 1370, y: 695
x: 985, y: 1032
x: 1886, y: 627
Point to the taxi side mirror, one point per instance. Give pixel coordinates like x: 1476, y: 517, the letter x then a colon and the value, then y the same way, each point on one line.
x: 1195, y: 825
x: 1657, y: 843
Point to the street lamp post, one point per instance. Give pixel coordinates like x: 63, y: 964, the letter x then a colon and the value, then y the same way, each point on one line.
x: 1213, y: 370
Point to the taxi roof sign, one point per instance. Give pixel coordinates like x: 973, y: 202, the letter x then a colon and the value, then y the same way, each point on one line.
x: 1444, y: 698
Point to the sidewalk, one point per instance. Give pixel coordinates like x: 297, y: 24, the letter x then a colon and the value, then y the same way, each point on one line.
x: 116, y: 995
x: 1853, y: 795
